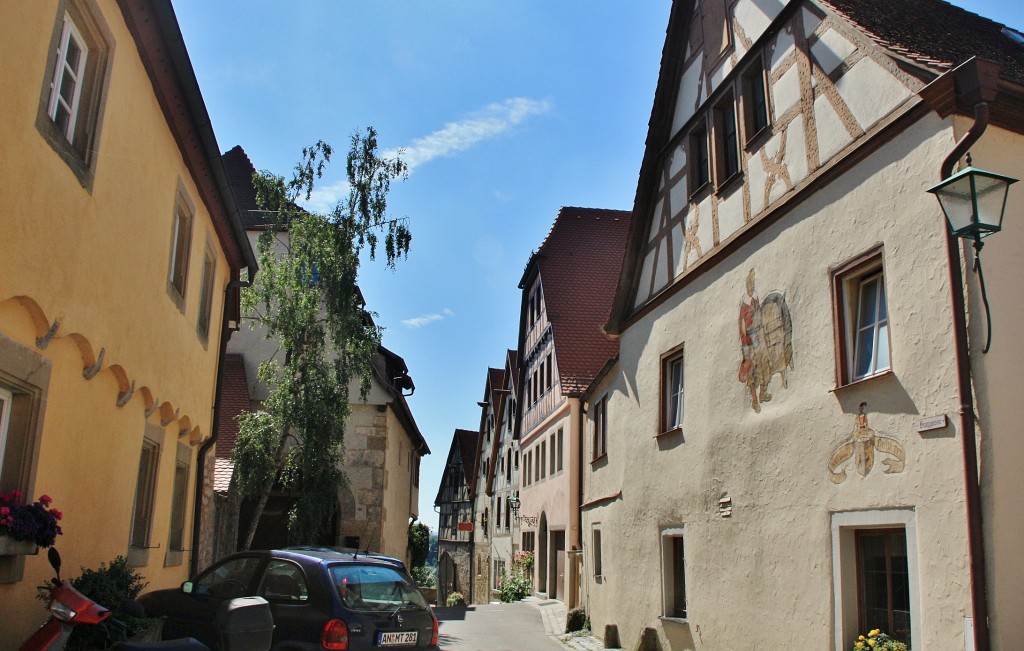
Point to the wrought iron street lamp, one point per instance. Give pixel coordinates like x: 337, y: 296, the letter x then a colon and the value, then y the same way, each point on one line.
x: 514, y: 504
x: 974, y: 201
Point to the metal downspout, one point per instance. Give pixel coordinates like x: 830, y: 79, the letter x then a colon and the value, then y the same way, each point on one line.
x: 197, y: 511
x: 975, y: 534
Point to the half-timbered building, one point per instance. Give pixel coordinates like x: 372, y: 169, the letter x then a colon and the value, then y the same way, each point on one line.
x: 454, y: 502
x: 567, y: 290
x: 781, y: 441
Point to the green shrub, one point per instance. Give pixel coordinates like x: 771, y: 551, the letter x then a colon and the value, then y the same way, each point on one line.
x: 425, y: 576
x: 576, y: 620
x: 109, y: 586
x: 455, y: 599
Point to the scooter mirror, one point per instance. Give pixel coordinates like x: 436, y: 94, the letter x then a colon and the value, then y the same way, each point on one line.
x: 53, y: 556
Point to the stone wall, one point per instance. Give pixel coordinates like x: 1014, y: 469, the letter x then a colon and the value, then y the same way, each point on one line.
x: 361, y: 497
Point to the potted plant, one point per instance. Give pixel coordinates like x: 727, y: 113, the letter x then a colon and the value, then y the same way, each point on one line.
x: 26, y: 527
x: 876, y: 640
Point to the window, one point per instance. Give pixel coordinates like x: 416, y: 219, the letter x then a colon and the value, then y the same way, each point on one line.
x: 284, y: 581
x: 6, y: 402
x: 145, y: 496
x: 206, y: 294
x: 68, y: 78
x: 551, y: 461
x: 755, y: 101
x: 24, y: 382
x: 74, y: 87
x: 176, y: 542
x: 547, y: 380
x: 526, y: 467
x: 597, y: 551
x: 700, y: 173
x: 674, y: 577
x: 875, y: 575
x: 230, y: 579
x: 541, y: 458
x: 862, y: 319
x: 727, y: 158
x: 672, y: 391
x: 558, y: 458
x: 601, y: 428
x: 181, y: 242
x: 884, y: 582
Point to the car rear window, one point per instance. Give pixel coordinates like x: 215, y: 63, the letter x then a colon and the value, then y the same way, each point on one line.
x: 374, y: 588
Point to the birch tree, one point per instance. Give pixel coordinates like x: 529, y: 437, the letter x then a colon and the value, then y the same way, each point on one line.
x: 306, y: 298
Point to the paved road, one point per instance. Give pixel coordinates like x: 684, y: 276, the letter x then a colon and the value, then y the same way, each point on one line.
x: 494, y: 627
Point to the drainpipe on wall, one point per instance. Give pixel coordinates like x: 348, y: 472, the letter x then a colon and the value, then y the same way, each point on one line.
x: 204, y: 449
x: 976, y: 85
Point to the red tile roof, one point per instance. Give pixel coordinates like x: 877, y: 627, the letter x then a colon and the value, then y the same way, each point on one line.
x: 234, y: 399
x: 466, y: 440
x: 934, y: 33
x: 579, y: 265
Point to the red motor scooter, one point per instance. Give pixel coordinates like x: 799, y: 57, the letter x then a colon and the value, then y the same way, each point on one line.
x: 68, y: 607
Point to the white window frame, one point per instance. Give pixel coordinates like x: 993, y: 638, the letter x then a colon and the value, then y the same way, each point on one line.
x: 69, y: 32
x: 673, y: 395
x: 878, y: 323
x: 6, y: 405
x: 845, y: 524
x: 600, y: 428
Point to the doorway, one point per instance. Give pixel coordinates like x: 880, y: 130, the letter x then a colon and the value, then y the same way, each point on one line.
x: 557, y: 565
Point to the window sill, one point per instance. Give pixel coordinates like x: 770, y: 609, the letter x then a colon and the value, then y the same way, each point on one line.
x: 682, y: 621
x: 881, y: 374
x: 603, y: 457
x: 667, y: 433
x: 729, y: 184
x: 758, y: 139
x: 700, y: 192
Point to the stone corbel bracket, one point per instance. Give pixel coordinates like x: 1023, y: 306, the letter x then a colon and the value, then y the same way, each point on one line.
x: 167, y: 421
x: 125, y: 396
x: 44, y: 341
x: 152, y: 408
x: 89, y: 372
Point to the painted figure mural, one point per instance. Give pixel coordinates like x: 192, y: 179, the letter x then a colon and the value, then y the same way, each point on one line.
x: 861, y: 448
x: 766, y: 342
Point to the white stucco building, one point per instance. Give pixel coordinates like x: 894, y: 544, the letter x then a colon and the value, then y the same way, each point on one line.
x: 778, y: 452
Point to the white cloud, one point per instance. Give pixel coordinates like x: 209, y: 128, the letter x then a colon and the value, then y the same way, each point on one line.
x: 488, y: 122
x: 426, y: 319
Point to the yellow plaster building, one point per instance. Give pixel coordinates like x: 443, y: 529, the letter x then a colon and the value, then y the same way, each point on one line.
x: 120, y: 244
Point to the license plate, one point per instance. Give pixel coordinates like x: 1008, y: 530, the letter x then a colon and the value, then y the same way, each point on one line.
x: 398, y: 638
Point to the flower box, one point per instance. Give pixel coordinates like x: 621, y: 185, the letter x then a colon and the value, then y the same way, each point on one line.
x: 11, y: 547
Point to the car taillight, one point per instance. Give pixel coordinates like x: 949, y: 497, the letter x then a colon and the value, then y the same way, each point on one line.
x: 433, y: 636
x: 335, y: 635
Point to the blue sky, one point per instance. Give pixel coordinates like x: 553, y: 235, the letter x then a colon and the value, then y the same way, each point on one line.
x: 506, y: 112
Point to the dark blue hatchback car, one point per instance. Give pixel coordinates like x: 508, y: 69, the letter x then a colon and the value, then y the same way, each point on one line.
x: 320, y: 599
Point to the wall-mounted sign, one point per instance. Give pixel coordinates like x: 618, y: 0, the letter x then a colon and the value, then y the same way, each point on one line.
x: 464, y: 526
x: 930, y: 423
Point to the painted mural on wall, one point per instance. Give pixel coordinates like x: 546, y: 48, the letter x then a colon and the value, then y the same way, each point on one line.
x: 861, y: 448
x: 766, y: 342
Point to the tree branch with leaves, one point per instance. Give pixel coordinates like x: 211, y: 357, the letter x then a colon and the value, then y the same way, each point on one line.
x: 307, y: 299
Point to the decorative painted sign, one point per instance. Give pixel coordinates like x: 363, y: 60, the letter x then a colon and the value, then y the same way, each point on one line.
x: 766, y: 342
x: 464, y: 526
x: 926, y: 424
x: 861, y: 448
